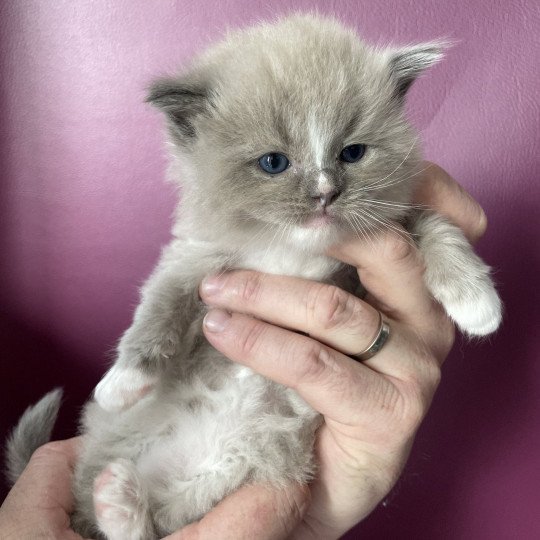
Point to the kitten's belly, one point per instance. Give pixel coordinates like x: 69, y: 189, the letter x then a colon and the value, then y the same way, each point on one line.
x: 216, y: 430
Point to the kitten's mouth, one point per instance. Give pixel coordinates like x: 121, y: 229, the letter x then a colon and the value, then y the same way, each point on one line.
x: 320, y: 219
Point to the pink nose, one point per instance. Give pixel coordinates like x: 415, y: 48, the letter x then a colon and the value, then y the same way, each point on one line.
x: 326, y: 198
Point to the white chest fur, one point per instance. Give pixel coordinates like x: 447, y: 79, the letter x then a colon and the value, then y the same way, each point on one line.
x: 286, y: 260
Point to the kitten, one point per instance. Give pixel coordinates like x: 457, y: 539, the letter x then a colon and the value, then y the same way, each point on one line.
x: 287, y: 136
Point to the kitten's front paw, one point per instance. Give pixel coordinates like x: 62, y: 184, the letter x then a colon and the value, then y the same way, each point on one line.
x: 122, y: 387
x: 478, y: 315
x: 120, y: 503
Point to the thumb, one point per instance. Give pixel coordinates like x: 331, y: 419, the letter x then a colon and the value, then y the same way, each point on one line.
x: 254, y: 511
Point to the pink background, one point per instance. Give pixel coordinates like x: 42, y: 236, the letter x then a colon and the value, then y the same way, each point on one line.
x: 84, y: 211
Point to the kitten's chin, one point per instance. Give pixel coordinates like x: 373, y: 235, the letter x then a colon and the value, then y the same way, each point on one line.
x: 316, y: 235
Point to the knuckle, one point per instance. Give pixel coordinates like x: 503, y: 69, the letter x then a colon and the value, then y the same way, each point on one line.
x: 474, y: 218
x: 46, y: 451
x: 249, y: 287
x: 447, y: 335
x: 481, y: 221
x: 424, y: 370
x: 313, y: 364
x: 433, y: 375
x: 426, y: 375
x: 250, y: 337
x: 293, y: 505
x: 397, y: 248
x: 441, y: 333
x: 416, y: 405
x: 389, y: 398
x: 333, y: 308
x: 418, y: 401
x: 315, y: 294
x: 414, y: 414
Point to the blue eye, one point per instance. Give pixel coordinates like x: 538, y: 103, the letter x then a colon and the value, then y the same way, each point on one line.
x: 352, y: 153
x: 273, y: 163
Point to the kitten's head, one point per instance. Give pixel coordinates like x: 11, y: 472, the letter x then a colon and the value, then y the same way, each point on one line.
x: 296, y: 130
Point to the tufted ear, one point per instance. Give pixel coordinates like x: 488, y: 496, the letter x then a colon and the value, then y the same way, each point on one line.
x: 182, y: 101
x: 408, y: 63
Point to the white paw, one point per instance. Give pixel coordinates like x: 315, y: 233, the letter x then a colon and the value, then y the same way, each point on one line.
x: 120, y: 503
x: 477, y: 316
x: 122, y: 387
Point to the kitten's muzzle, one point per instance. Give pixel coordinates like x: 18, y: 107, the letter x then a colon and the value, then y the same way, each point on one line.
x: 326, y: 187
x: 325, y: 198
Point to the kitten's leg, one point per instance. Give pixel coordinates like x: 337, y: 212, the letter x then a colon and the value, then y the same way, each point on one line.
x: 456, y: 276
x: 159, y: 333
x: 121, y: 503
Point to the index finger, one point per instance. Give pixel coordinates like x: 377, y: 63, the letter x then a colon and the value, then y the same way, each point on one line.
x: 438, y: 190
x: 392, y: 269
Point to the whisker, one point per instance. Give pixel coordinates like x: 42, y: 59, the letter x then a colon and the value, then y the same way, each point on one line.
x: 369, y: 234
x: 363, y: 231
x: 375, y: 186
x: 386, y: 224
x: 378, y: 182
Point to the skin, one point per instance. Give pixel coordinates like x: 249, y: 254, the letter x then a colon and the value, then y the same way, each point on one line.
x: 371, y: 410
x: 39, y: 504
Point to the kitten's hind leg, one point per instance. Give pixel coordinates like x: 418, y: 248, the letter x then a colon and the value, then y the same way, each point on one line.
x: 121, y: 503
x: 456, y: 276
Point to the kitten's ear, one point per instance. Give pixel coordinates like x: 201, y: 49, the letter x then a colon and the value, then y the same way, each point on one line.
x: 408, y: 63
x: 181, y: 100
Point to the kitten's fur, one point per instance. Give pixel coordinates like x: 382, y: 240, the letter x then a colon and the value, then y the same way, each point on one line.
x: 306, y: 87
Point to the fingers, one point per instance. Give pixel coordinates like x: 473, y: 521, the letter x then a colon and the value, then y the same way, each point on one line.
x: 48, y: 474
x: 325, y: 312
x: 438, y: 190
x: 254, y: 511
x: 348, y: 393
x: 392, y: 269
x: 332, y: 383
x: 68, y: 450
x: 41, y: 499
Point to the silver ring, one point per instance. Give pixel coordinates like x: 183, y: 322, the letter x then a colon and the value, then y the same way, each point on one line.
x: 383, y: 333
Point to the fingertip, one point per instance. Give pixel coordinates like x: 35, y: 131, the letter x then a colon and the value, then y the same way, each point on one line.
x: 439, y: 191
x: 216, y: 321
x: 479, y: 229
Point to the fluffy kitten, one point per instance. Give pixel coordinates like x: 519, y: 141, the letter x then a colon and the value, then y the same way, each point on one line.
x: 287, y: 137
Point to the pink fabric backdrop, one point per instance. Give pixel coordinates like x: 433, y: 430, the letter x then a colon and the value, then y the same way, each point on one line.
x: 84, y: 211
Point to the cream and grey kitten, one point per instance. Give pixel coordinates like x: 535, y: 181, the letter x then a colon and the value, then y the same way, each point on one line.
x: 287, y: 137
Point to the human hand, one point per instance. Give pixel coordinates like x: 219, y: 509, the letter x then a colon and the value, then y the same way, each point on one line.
x: 372, y: 409
x: 439, y: 191
x: 39, y: 504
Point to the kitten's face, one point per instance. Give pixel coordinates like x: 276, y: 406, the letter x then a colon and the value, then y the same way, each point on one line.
x: 298, y: 132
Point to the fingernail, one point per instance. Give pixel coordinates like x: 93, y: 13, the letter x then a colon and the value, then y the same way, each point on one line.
x: 212, y: 285
x: 216, y: 320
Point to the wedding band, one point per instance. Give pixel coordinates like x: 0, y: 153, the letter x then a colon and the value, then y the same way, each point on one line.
x: 377, y: 344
